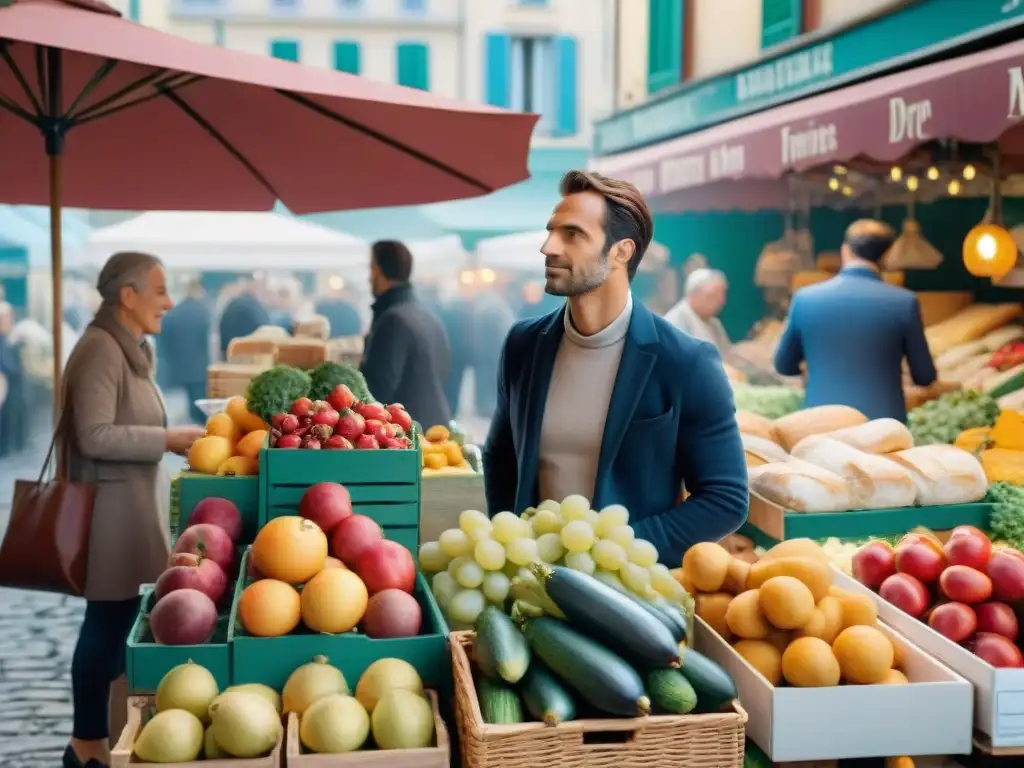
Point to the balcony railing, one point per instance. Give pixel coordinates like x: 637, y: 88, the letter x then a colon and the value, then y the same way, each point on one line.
x: 357, y: 12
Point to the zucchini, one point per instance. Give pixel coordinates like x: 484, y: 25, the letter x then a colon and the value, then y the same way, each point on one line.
x: 671, y: 692
x: 500, y: 650
x: 609, y: 616
x: 545, y: 698
x: 499, y: 702
x: 595, y: 673
x: 530, y: 591
x: 673, y: 620
x: 707, y: 678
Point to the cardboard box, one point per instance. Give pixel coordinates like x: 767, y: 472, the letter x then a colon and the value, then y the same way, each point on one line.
x: 932, y: 716
x: 998, y: 693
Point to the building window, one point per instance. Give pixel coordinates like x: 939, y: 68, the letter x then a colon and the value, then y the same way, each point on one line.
x: 535, y: 74
x: 134, y: 9
x: 414, y: 6
x: 665, y: 48
x: 781, y: 20
x: 414, y: 65
x: 349, y: 6
x: 346, y: 56
x: 288, y: 50
x: 532, y: 83
x: 284, y: 5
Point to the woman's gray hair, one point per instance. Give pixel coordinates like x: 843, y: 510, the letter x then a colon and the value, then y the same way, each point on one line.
x: 124, y: 269
x: 700, y: 278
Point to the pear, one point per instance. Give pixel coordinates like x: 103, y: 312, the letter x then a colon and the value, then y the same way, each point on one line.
x: 171, y: 736
x: 190, y: 687
x: 245, y: 724
x: 260, y: 690
x: 310, y: 682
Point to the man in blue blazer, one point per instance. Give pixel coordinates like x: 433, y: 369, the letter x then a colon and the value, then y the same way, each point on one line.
x: 854, y: 331
x: 604, y: 399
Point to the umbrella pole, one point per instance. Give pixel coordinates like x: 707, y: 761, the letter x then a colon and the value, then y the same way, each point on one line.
x: 57, y: 280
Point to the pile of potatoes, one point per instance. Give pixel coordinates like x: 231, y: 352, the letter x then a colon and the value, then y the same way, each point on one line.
x: 786, y: 618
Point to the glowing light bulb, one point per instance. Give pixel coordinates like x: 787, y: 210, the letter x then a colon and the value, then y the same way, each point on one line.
x: 487, y: 275
x: 969, y: 172
x: 987, y: 247
x: 933, y: 173
x: 839, y: 170
x: 953, y: 188
x: 833, y: 183
x: 895, y: 173
x: 912, y: 183
x: 848, y: 191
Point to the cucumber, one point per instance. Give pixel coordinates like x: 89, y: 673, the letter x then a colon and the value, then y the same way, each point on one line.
x: 671, y: 692
x: 500, y: 650
x: 709, y: 680
x: 595, y: 673
x: 673, y: 621
x: 499, y: 702
x: 545, y: 698
x: 609, y: 616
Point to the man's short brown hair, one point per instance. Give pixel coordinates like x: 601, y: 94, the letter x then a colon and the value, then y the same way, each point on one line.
x: 869, y: 239
x: 393, y: 259
x: 627, y: 216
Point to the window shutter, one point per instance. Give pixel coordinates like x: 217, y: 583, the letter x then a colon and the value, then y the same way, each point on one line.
x: 135, y: 10
x: 566, y: 68
x: 665, y: 44
x: 414, y: 65
x: 781, y: 20
x: 346, y: 56
x: 497, y: 55
x: 285, y: 49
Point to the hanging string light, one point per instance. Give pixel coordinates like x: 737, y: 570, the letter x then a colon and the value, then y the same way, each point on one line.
x: 969, y: 172
x: 895, y: 173
x: 912, y: 183
x: 989, y: 249
x: 933, y: 173
x: 953, y: 188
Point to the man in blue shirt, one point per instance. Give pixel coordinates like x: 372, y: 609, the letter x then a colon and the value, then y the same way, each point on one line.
x: 854, y: 331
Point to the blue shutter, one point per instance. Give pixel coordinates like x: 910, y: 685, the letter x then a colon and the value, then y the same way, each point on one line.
x: 565, y: 59
x: 497, y: 57
x: 285, y: 49
x: 135, y: 10
x: 665, y: 44
x: 414, y: 65
x: 218, y: 32
x: 781, y: 20
x: 346, y: 56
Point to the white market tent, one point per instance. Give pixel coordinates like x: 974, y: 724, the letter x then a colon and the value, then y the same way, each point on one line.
x: 436, y: 257
x: 521, y: 252
x: 211, y: 241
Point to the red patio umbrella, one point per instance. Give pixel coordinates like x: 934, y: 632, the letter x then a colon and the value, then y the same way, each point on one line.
x: 98, y: 111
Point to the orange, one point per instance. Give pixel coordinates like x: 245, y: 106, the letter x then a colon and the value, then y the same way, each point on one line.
x: 291, y: 549
x: 250, y: 445
x: 221, y: 425
x: 208, y: 453
x: 269, y: 608
x: 333, y: 601
x: 246, y: 420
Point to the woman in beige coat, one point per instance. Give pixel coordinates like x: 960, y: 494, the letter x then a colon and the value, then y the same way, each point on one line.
x: 116, y: 436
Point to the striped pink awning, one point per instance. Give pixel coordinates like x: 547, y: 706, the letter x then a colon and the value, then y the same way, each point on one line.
x: 975, y: 98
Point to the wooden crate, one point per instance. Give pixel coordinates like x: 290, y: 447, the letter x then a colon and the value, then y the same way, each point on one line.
x: 659, y: 741
x: 140, y: 709
x: 230, y: 379
x: 444, y: 497
x: 438, y: 756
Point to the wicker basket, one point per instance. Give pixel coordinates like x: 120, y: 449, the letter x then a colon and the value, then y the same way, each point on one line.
x: 687, y: 741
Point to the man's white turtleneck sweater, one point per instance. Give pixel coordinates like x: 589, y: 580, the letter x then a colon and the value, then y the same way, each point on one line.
x: 577, y: 406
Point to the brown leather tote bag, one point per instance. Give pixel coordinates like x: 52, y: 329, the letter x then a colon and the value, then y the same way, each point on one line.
x: 46, y: 546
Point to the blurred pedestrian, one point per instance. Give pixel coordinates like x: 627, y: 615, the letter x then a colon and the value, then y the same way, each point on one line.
x: 537, y: 302
x: 114, y: 434
x: 406, y: 358
x: 704, y: 295
x: 14, y: 424
x: 184, y: 348
x: 341, y: 313
x: 492, y: 318
x: 242, y: 316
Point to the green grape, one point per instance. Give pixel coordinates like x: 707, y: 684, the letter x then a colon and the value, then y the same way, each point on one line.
x: 621, y: 535
x: 466, y: 606
x: 511, y: 569
x: 580, y: 561
x: 469, y: 574
x: 577, y: 536
x: 495, y: 587
x: 668, y: 588
x: 609, y: 555
x: 455, y: 542
x: 546, y: 521
x: 643, y: 553
x: 490, y: 555
x: 480, y: 534
x: 592, y: 518
x: 472, y: 519
x: 457, y: 563
x: 444, y: 588
x: 550, y: 504
x: 528, y: 513
x: 575, y: 507
x: 635, y: 577
x: 609, y: 578
x: 506, y: 527
x: 610, y: 517
x: 521, y: 551
x: 549, y: 547
x: 661, y: 576
x: 431, y: 558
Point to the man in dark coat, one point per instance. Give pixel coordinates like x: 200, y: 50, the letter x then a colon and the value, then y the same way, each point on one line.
x: 183, y: 348
x: 407, y: 357
x: 241, y: 317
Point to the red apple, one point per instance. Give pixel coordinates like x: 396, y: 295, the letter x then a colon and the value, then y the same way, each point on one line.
x: 207, y: 577
x: 210, y: 542
x: 968, y: 546
x: 327, y: 505
x: 920, y: 556
x: 963, y: 584
x: 387, y: 565
x: 995, y: 650
x: 184, y: 558
x: 1006, y: 570
x: 220, y: 512
x: 906, y: 593
x: 353, y: 536
x: 874, y: 563
x: 955, y: 621
x: 997, y: 618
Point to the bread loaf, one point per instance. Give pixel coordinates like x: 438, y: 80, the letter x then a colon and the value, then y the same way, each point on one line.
x: 943, y: 474
x: 875, y: 436
x: 754, y: 424
x: 874, y: 481
x: 970, y: 324
x: 794, y: 427
x: 801, y: 487
x: 995, y: 339
x: 953, y: 357
x: 766, y: 449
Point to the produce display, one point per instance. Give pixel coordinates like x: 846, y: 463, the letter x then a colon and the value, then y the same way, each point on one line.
x: 1007, y: 521
x: 966, y: 590
x: 977, y: 348
x: 488, y: 560
x: 943, y: 419
x: 232, y: 442
x: 770, y: 402
x: 325, y: 377
x: 595, y: 650
x: 999, y: 447
x: 193, y: 591
x: 444, y: 454
x: 784, y: 616
x: 341, y: 422
x: 328, y: 571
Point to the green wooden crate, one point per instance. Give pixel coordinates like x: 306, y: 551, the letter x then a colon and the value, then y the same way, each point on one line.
x: 384, y: 484
x: 243, y: 491
x: 148, y: 661
x: 270, y: 660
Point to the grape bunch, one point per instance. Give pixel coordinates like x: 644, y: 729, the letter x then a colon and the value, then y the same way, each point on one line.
x: 479, y: 562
